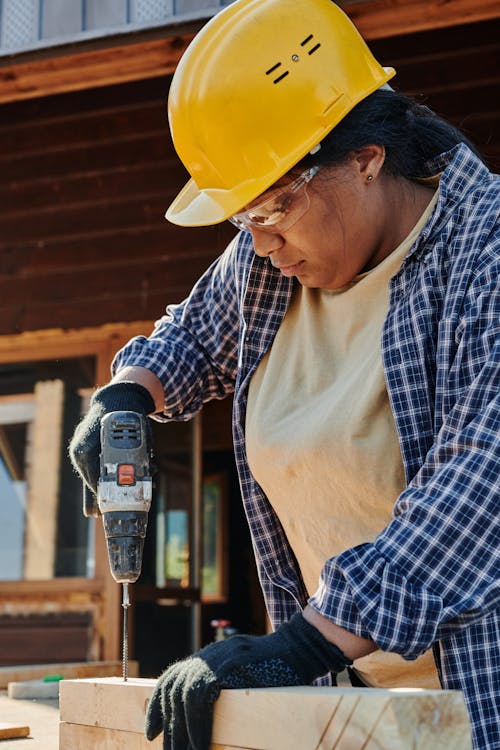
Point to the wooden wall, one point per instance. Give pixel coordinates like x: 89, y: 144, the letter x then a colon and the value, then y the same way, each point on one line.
x: 454, y: 71
x: 45, y: 638
x: 85, y: 179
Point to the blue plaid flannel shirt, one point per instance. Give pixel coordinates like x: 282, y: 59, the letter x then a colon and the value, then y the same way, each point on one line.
x: 430, y: 578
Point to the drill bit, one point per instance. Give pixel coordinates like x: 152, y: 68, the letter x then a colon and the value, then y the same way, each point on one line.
x: 125, y: 605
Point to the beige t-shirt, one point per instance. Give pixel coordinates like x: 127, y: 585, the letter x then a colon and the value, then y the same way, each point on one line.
x: 321, y: 438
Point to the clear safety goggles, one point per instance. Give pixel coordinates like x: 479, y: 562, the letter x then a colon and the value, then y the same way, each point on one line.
x: 282, y: 208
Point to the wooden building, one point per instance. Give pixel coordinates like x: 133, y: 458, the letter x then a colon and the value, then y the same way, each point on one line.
x: 87, y: 260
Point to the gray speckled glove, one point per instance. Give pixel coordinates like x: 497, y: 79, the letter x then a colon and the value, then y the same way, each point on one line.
x: 182, y: 703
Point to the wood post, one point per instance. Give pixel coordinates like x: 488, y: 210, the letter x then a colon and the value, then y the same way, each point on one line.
x: 43, y: 494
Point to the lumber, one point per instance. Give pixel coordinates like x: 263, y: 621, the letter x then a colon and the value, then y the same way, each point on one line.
x: 74, y: 670
x: 108, y: 713
x: 103, y: 67
x: 107, y: 702
x: 13, y: 731
x: 78, y: 737
x: 43, y: 488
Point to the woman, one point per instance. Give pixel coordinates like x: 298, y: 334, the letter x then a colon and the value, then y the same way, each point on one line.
x: 355, y: 319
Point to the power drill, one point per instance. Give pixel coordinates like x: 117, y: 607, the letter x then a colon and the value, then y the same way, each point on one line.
x: 124, y: 493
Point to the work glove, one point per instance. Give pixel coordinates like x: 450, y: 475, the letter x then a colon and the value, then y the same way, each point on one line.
x: 85, y: 446
x: 183, y: 699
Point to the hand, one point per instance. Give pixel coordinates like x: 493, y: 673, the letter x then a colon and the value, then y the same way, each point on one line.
x: 85, y: 446
x: 183, y: 699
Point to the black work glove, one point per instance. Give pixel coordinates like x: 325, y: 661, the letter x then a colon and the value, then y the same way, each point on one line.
x: 85, y: 446
x: 183, y: 699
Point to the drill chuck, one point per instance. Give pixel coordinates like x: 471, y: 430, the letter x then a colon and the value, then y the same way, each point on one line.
x: 125, y: 532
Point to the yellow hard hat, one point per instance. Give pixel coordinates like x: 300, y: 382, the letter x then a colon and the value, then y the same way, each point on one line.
x: 260, y: 85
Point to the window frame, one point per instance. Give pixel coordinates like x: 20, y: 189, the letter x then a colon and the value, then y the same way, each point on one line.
x: 100, y: 594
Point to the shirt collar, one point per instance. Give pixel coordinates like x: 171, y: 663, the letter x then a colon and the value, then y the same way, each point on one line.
x: 461, y: 171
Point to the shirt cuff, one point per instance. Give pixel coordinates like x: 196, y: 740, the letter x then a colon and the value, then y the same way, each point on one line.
x: 362, y: 592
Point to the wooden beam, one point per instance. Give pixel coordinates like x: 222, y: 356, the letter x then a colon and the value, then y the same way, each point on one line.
x: 11, y: 731
x: 86, y: 70
x: 149, y: 59
x: 377, y: 19
x: 44, y: 442
x: 78, y: 737
x: 109, y: 713
x: 68, y: 670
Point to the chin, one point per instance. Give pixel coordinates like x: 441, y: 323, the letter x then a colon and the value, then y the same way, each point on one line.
x: 305, y: 280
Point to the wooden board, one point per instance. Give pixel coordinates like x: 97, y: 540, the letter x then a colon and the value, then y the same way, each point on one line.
x: 109, y: 713
x: 12, y: 731
x: 78, y: 737
x: 71, y: 670
x: 108, y: 702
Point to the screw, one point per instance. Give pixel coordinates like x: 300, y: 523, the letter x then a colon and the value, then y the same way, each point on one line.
x: 295, y: 58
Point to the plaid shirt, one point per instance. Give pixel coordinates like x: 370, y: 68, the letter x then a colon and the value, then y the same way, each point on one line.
x: 430, y: 578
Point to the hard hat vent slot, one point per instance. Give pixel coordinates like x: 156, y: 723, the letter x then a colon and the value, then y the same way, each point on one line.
x: 276, y: 67
x: 280, y: 75
x: 308, y: 39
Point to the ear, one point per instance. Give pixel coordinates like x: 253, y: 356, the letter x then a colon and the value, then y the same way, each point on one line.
x: 370, y: 160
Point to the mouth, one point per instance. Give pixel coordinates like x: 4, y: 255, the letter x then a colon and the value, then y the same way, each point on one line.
x: 287, y: 270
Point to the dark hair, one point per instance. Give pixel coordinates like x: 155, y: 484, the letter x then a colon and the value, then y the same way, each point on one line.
x: 410, y: 132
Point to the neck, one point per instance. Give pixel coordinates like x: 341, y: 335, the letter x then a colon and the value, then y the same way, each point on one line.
x: 404, y: 202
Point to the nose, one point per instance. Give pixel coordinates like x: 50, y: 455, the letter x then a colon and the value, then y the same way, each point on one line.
x: 266, y: 242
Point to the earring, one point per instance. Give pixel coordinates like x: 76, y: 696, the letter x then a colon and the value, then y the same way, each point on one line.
x: 369, y: 178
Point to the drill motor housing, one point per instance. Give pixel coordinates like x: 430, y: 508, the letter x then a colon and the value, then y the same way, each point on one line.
x: 124, y: 491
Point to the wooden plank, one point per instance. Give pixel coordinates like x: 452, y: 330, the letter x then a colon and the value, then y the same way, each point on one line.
x: 43, y: 488
x: 13, y: 731
x: 344, y: 718
x: 56, y: 192
x: 71, y: 222
x: 78, y: 737
x: 34, y: 638
x: 112, y: 248
x: 74, y: 670
x: 377, y: 19
x: 108, y: 702
x: 95, y: 312
x: 91, y: 284
x: 141, y: 147
x: 306, y: 717
x: 85, y: 70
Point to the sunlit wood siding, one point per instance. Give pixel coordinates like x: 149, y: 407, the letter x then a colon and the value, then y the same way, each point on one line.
x: 85, y: 181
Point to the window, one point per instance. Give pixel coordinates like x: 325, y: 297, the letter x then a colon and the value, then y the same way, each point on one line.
x: 214, y: 548
x: 179, y: 525
x: 43, y: 533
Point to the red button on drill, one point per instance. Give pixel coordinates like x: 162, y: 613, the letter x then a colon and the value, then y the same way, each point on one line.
x: 126, y: 474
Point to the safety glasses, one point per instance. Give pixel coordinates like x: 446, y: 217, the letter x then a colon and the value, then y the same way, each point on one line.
x: 282, y: 208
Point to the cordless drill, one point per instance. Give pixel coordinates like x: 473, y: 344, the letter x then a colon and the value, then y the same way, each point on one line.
x: 124, y: 494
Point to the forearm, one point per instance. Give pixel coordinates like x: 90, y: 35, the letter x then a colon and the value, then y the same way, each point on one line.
x: 147, y: 379
x: 350, y: 644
